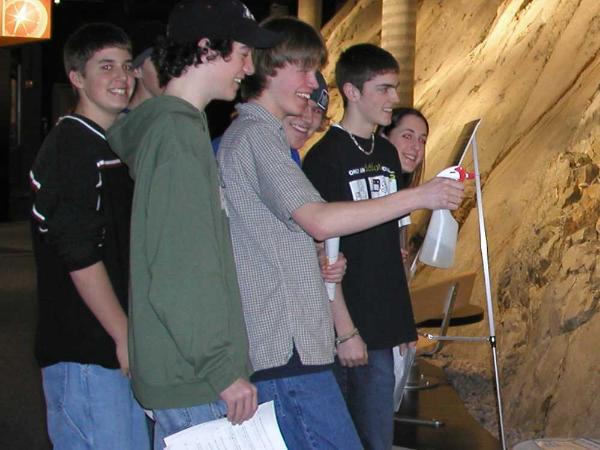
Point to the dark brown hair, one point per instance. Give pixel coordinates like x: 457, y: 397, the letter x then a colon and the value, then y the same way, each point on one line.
x: 398, y: 114
x: 87, y: 40
x: 361, y: 63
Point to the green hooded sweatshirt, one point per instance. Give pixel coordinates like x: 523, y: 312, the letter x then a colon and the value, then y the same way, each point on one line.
x: 187, y: 338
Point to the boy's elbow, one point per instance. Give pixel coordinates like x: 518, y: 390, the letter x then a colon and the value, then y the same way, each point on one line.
x: 312, y: 220
x: 319, y: 232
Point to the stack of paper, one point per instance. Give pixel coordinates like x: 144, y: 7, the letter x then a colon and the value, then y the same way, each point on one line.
x: 261, y: 432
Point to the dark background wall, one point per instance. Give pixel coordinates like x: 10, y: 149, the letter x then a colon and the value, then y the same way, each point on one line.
x: 4, y: 131
x: 36, y: 72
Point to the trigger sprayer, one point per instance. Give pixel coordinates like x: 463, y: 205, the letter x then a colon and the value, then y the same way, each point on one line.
x: 440, y: 241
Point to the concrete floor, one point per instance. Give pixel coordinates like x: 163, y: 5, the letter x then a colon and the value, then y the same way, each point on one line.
x: 22, y: 411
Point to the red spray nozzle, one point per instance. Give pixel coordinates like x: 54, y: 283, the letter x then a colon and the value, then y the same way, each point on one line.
x: 457, y: 173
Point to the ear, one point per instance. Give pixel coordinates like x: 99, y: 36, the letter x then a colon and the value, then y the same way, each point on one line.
x: 209, y: 53
x: 137, y: 72
x: 351, y: 92
x: 76, y: 78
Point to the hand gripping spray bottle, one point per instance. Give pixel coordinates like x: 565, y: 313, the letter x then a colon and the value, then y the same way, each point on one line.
x: 442, y: 232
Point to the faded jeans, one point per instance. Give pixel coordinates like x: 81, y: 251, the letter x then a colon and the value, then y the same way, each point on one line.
x: 91, y: 407
x: 169, y: 421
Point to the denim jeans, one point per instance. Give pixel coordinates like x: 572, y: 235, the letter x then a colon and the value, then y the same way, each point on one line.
x: 91, y: 407
x: 369, y: 394
x: 169, y: 421
x: 310, y: 412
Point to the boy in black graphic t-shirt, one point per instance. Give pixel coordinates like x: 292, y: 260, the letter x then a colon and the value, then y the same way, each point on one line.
x: 352, y: 163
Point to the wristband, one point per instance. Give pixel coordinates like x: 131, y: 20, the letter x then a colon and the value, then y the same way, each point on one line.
x: 341, y: 339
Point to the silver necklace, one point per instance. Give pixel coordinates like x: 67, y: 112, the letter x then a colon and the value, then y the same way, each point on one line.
x: 339, y: 125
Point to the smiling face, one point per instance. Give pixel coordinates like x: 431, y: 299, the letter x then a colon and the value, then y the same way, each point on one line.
x: 377, y: 98
x: 299, y: 128
x: 105, y: 85
x: 409, y: 137
x: 288, y: 91
x: 230, y: 72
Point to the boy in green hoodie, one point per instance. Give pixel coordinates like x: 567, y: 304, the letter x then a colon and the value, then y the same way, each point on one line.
x: 188, y: 345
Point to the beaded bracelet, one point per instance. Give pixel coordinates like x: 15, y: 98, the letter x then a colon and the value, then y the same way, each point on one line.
x: 341, y: 339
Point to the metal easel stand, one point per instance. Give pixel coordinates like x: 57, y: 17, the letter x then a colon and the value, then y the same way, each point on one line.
x: 418, y: 380
x: 488, y: 290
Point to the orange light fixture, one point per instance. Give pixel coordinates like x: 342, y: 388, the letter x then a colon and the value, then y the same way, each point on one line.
x: 24, y: 21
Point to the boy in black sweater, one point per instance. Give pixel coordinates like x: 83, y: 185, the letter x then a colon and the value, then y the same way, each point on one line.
x: 80, y: 221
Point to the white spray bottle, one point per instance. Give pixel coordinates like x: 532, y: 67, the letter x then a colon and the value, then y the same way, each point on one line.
x: 440, y: 241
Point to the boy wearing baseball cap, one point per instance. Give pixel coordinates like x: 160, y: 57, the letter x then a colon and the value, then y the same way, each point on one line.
x: 298, y: 129
x: 143, y: 37
x: 188, y: 346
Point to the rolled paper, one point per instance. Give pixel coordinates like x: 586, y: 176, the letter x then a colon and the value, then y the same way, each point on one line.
x: 332, y: 249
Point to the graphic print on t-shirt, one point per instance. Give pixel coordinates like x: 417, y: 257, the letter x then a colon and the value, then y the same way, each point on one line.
x: 359, y: 189
x: 374, y: 186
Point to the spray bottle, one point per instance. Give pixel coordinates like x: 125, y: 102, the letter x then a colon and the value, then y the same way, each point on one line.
x: 440, y: 241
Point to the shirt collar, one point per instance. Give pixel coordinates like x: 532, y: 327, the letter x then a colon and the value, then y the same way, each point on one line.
x: 259, y: 112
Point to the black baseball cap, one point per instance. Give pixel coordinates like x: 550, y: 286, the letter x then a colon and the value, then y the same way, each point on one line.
x: 143, y: 37
x: 192, y: 20
x: 320, y: 95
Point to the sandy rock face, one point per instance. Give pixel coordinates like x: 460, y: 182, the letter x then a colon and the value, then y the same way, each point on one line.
x: 534, y: 81
x: 531, y: 70
x: 548, y: 306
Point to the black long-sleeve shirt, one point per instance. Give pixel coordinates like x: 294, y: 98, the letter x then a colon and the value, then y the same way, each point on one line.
x: 80, y: 216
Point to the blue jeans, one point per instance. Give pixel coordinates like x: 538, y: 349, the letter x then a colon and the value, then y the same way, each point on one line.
x: 310, y: 412
x: 91, y: 407
x: 169, y: 421
x: 369, y: 394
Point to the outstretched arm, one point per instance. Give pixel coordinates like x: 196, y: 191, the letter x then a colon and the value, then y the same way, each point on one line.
x: 325, y: 220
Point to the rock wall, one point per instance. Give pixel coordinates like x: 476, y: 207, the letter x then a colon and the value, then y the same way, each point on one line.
x: 531, y: 70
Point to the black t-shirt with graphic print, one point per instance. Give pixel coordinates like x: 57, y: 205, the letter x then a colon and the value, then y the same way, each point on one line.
x: 374, y: 286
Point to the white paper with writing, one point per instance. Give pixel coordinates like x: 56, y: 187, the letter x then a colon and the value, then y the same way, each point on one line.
x: 261, y: 432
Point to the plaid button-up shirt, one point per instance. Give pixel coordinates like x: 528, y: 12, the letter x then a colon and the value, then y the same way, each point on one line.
x: 283, y: 295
